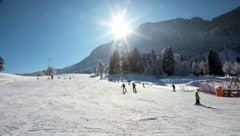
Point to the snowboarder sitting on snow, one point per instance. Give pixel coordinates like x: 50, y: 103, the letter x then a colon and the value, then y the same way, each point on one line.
x: 134, y: 88
x: 124, y: 88
x: 197, y: 98
x: 173, y: 86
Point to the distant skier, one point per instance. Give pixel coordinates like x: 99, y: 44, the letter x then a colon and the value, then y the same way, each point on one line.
x: 143, y: 85
x: 124, y: 88
x: 51, y: 76
x: 173, y: 86
x: 134, y: 88
x: 129, y: 81
x: 197, y: 98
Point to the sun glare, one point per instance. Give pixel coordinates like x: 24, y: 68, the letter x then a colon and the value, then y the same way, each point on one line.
x: 119, y: 28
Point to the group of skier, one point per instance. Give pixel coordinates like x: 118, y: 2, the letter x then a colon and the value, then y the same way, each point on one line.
x: 196, y: 95
x: 133, y: 86
x: 173, y: 86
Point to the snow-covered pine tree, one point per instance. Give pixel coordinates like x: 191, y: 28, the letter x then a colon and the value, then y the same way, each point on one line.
x: 153, y: 55
x: 157, y: 68
x: 145, y: 63
x: 177, y: 62
x: 182, y: 67
x: 144, y: 59
x: 236, y: 68
x: 114, y: 66
x: 151, y: 63
x: 1, y: 64
x: 125, y: 63
x: 168, y: 61
x: 135, y: 61
x: 186, y: 67
x: 204, y: 69
x: 215, y: 65
x: 155, y: 64
x: 226, y: 50
x: 195, y: 68
x: 227, y: 67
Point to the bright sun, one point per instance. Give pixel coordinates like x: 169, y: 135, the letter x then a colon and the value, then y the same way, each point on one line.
x: 119, y: 27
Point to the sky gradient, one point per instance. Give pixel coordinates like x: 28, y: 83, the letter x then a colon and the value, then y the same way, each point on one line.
x: 38, y: 33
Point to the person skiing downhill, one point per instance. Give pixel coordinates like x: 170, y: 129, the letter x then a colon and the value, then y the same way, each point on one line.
x: 124, y: 88
x: 197, y: 98
x: 173, y: 86
x: 134, y: 88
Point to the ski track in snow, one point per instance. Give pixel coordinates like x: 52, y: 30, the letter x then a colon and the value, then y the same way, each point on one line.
x: 88, y: 106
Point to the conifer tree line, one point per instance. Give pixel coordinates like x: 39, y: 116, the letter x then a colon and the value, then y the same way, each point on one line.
x: 166, y: 63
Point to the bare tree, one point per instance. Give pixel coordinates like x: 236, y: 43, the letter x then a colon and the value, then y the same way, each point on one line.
x: 51, y: 72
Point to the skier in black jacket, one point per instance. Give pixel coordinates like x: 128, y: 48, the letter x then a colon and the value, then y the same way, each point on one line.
x: 134, y: 88
x: 124, y: 88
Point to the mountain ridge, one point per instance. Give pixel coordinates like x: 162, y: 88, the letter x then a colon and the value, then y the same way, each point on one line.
x: 188, y: 37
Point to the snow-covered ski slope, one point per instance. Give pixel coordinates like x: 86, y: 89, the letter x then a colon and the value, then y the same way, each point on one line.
x: 85, y: 106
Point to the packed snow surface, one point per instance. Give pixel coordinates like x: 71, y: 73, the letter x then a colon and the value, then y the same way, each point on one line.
x: 76, y: 104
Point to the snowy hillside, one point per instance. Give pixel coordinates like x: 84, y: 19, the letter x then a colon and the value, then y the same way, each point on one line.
x: 77, y: 105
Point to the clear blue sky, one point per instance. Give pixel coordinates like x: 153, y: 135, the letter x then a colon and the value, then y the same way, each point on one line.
x: 32, y: 31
